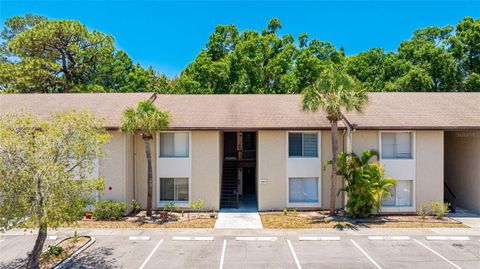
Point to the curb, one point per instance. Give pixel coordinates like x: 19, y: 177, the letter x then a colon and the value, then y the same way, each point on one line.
x: 63, y: 263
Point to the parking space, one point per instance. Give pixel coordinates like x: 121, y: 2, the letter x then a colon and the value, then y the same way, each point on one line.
x: 14, y: 248
x: 115, y: 252
x: 186, y: 253
x: 329, y: 254
x: 463, y: 253
x: 162, y: 251
x: 258, y: 253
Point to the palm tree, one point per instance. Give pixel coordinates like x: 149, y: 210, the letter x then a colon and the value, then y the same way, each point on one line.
x: 381, y: 185
x: 147, y: 119
x: 334, y: 91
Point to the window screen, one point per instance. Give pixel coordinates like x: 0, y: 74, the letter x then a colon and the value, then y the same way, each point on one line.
x: 397, y: 145
x: 303, y: 144
x: 174, y: 189
x: 174, y: 144
x: 303, y: 190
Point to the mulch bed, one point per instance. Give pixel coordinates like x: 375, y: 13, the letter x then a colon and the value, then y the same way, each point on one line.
x: 69, y: 247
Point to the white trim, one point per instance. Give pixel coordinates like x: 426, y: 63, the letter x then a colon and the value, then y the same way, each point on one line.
x: 294, y: 173
x: 404, y: 164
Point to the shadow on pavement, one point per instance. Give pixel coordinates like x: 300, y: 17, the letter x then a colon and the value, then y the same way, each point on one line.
x: 13, y: 264
x: 95, y: 258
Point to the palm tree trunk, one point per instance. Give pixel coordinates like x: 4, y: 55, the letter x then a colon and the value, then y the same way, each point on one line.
x: 34, y: 257
x: 149, y: 175
x: 333, y: 190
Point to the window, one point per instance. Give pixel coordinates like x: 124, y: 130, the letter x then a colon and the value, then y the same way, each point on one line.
x: 397, y: 145
x: 402, y: 195
x: 303, y: 144
x: 174, y: 189
x: 303, y: 190
x: 174, y: 144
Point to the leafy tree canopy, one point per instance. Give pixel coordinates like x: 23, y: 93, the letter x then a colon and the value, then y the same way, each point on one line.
x: 41, y: 55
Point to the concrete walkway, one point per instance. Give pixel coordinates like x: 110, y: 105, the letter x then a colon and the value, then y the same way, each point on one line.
x: 244, y: 217
x: 468, y: 218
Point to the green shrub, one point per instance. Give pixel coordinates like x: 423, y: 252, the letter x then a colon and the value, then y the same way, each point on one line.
x: 424, y: 210
x: 54, y: 251
x: 440, y: 209
x: 366, y: 184
x: 109, y: 210
x: 136, y: 206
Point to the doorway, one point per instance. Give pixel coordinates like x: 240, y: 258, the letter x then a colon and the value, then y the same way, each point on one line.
x: 239, y: 170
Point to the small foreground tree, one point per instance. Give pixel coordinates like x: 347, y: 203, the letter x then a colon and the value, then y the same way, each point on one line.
x: 46, y: 171
x: 147, y: 119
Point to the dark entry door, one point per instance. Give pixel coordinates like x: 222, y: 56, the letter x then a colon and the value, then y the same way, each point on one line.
x: 230, y: 144
x: 248, y: 176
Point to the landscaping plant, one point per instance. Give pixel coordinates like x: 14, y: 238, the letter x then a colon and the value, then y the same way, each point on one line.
x: 136, y: 206
x: 440, y: 209
x: 365, y: 183
x: 197, y: 206
x: 46, y: 168
x: 109, y: 210
x: 147, y: 119
x: 333, y: 92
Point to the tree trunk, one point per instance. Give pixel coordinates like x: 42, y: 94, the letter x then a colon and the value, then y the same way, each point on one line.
x: 333, y: 189
x: 149, y: 175
x: 34, y: 257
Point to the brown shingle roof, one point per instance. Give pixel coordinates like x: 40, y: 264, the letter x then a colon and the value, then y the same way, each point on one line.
x: 385, y: 110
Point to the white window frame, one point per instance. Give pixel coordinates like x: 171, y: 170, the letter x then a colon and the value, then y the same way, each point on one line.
x: 392, y: 208
x: 174, y: 157
x: 303, y: 132
x: 161, y: 203
x: 412, y: 144
x: 300, y: 204
x: 399, y: 163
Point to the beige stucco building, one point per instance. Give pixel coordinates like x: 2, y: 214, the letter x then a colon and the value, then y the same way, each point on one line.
x: 220, y: 148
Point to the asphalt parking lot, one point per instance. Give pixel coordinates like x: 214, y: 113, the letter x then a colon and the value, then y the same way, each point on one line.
x: 170, y: 251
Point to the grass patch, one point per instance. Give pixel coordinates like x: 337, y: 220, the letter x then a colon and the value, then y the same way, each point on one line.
x: 279, y: 221
x: 194, y: 223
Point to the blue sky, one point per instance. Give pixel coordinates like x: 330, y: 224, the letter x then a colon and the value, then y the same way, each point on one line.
x: 168, y: 35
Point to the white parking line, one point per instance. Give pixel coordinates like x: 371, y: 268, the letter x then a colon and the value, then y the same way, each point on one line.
x: 139, y: 238
x: 192, y: 238
x: 52, y: 237
x: 388, y: 238
x: 446, y: 238
x: 319, y: 238
x: 294, y: 255
x: 150, y: 255
x: 436, y: 253
x: 256, y: 238
x: 222, y: 257
x: 365, y: 253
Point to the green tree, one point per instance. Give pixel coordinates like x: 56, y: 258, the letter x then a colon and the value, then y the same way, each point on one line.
x: 46, y: 171
x: 40, y: 55
x: 147, y: 119
x: 256, y: 62
x: 366, y: 184
x: 333, y: 92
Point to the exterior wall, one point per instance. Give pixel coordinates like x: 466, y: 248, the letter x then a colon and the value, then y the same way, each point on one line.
x: 365, y: 140
x: 327, y: 172
x: 429, y: 170
x: 271, y: 174
x: 462, y: 168
x: 130, y: 170
x: 113, y: 168
x: 205, y: 181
